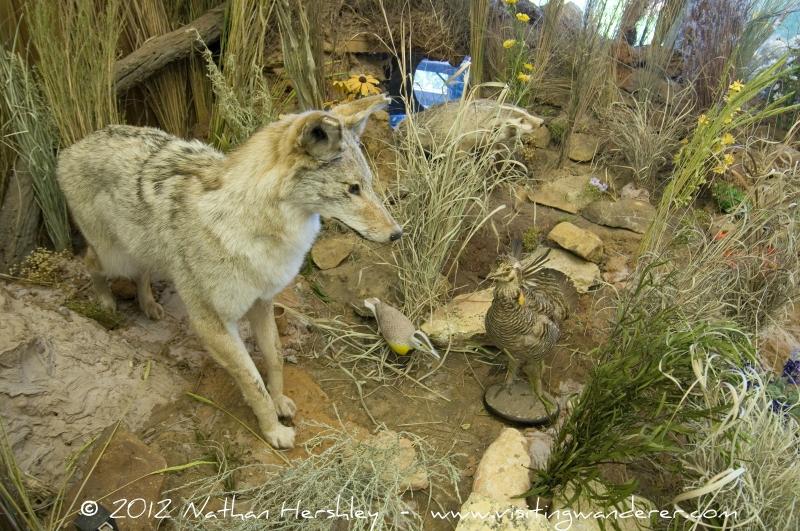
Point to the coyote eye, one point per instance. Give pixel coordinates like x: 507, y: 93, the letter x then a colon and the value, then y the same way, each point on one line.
x: 354, y: 189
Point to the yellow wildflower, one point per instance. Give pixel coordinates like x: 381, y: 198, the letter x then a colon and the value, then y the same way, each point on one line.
x: 510, y: 2
x: 528, y: 67
x: 728, y: 159
x: 727, y: 139
x: 728, y: 120
x: 509, y: 43
x: 684, y: 141
x: 719, y: 169
x: 522, y: 17
x: 360, y: 85
x: 523, y: 77
x: 702, y: 120
x: 736, y: 86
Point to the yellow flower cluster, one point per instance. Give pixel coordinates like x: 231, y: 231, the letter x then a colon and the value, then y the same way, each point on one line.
x: 528, y: 67
x: 522, y: 17
x: 736, y: 86
x: 727, y: 162
x: 510, y: 2
x: 509, y: 43
x: 523, y: 77
x: 702, y: 120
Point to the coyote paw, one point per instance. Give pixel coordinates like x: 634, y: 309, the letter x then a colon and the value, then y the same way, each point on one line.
x: 153, y: 310
x: 284, y: 406
x: 107, y: 302
x: 280, y: 437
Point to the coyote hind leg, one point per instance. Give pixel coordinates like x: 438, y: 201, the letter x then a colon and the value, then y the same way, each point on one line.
x: 99, y: 280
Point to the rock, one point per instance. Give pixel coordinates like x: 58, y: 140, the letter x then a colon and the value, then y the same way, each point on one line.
x: 629, y: 191
x: 63, y: 381
x: 584, y: 243
x: 123, y: 465
x: 331, y: 251
x: 502, y: 474
x: 460, y: 322
x: 582, y: 147
x: 616, y: 270
x: 566, y: 193
x: 625, y: 214
x: 482, y: 513
x: 540, y: 445
x: 581, y: 273
x: 540, y: 137
x: 405, y: 460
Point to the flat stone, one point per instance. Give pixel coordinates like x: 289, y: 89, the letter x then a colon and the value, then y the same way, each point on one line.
x: 582, y: 242
x: 629, y: 191
x: 628, y: 214
x: 503, y: 473
x: 567, y: 193
x: 331, y: 251
x: 582, y: 147
x: 482, y: 513
x: 461, y: 321
x: 583, y: 275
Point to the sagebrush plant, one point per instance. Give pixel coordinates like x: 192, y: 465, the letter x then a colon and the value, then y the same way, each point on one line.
x: 441, y: 197
x: 646, y: 133
x: 31, y: 133
x: 707, y: 150
x: 746, y: 465
x: 76, y: 45
x: 341, y: 468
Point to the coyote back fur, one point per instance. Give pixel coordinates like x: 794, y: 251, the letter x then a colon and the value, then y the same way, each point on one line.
x: 229, y: 231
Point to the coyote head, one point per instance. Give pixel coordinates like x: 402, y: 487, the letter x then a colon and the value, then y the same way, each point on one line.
x: 335, y: 180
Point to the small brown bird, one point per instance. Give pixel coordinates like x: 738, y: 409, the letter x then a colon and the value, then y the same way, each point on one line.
x: 399, y: 332
x: 524, y: 321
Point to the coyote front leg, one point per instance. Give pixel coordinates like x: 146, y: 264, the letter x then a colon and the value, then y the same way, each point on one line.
x: 226, y: 347
x: 262, y: 321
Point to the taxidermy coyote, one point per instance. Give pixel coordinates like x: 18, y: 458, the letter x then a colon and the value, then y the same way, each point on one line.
x: 230, y: 231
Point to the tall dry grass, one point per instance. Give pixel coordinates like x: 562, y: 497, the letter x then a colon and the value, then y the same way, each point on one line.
x: 301, y: 44
x: 29, y: 131
x: 441, y: 196
x: 76, y: 45
x: 166, y: 91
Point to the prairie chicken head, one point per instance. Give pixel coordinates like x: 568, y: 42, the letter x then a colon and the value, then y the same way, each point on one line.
x: 506, y: 272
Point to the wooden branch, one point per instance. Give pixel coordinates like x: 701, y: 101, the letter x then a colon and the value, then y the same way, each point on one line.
x: 159, y: 51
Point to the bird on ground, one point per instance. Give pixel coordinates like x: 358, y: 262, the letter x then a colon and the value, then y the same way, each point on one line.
x: 399, y: 332
x: 524, y: 319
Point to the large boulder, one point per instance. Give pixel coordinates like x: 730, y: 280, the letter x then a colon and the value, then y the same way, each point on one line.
x: 583, y: 275
x: 503, y: 473
x: 566, y: 193
x: 582, y: 147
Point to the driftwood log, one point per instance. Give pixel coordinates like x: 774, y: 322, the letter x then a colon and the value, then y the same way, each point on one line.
x: 19, y: 217
x: 160, y: 51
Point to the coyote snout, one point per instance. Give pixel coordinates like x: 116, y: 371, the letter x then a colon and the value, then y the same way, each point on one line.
x: 229, y: 231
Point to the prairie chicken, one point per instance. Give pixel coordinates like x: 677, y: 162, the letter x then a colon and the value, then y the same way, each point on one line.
x: 525, y: 317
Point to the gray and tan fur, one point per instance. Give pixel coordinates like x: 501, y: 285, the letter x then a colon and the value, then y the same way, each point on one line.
x: 480, y: 123
x: 230, y: 231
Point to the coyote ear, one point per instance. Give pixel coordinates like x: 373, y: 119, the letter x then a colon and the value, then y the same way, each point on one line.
x: 357, y: 113
x: 321, y: 137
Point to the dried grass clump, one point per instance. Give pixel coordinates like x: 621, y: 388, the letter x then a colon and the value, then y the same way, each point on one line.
x: 43, y: 267
x: 166, y: 91
x: 645, y: 133
x: 746, y: 465
x: 442, y: 198
x: 76, y: 43
x: 301, y: 44
x: 30, y: 132
x: 341, y: 469
x: 243, y: 99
